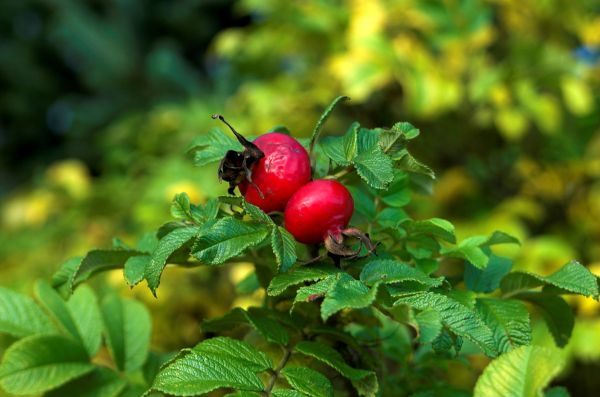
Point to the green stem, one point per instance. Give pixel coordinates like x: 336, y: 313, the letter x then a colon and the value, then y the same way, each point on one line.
x: 341, y: 173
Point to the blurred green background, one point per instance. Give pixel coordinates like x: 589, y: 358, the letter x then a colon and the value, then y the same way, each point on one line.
x: 99, y: 100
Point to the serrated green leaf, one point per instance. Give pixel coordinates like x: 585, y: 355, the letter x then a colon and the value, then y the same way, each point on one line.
x: 228, y: 238
x: 556, y: 312
x: 473, y: 249
x: 315, y: 291
x: 287, y: 393
x: 85, y: 311
x: 244, y: 394
x: 571, y: 278
x: 180, y: 207
x: 235, y: 350
x: 97, y: 261
x: 167, y: 245
x: 436, y: 227
x: 284, y: 248
x: 78, y: 318
x: 456, y: 317
x: 283, y: 281
x: 488, y: 279
x: 331, y: 357
x: 342, y: 149
x: 389, y: 271
x: 523, y: 372
x: 211, y: 147
x: 374, y: 167
x: 508, y: 319
x: 20, y: 316
x: 256, y: 213
x: 101, y: 382
x: 154, y: 363
x: 346, y: 293
x: 319, y: 126
x: 62, y: 278
x: 127, y: 328
x: 308, y: 381
x: 134, y: 269
x: 220, y: 364
x: 39, y: 363
x: 406, y: 162
x: 430, y: 325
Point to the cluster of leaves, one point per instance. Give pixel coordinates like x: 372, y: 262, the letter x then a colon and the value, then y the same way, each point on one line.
x: 76, y: 346
x: 326, y: 329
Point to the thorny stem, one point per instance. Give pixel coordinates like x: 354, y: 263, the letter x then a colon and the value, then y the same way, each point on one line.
x: 275, y: 374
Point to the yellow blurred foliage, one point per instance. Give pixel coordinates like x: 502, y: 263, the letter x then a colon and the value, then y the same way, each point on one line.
x: 72, y: 176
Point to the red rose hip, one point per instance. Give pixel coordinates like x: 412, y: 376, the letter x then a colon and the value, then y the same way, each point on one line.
x: 284, y: 168
x: 318, y: 209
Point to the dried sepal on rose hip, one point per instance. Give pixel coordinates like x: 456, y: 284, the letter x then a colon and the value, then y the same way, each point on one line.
x: 268, y: 180
x: 236, y: 167
x: 319, y: 212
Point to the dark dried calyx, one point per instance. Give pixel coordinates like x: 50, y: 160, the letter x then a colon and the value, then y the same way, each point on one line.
x: 338, y: 248
x: 236, y: 167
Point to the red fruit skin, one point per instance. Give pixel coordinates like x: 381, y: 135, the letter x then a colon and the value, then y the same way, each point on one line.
x: 283, y: 170
x: 318, y: 208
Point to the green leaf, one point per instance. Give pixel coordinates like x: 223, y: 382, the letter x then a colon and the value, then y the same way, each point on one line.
x: 342, y: 149
x: 127, y: 327
x: 79, y: 317
x: 331, y: 357
x: 308, y: 381
x: 572, y: 277
x: 488, y: 279
x: 430, y: 325
x: 436, y: 227
x: 228, y: 238
x: 98, y: 261
x: 101, y: 382
x: 283, y: 281
x: 211, y: 147
x: 211, y: 365
x: 244, y: 394
x: 62, y: 278
x: 170, y: 243
x: 234, y: 350
x: 284, y: 248
x: 398, y: 193
x: 287, y: 393
x: 256, y: 213
x: 180, y: 207
x: 557, y: 391
x: 374, y: 167
x: 269, y: 328
x: 523, y: 372
x: 456, y: 317
x: 556, y: 312
x: 508, y: 319
x: 134, y: 269
x: 84, y: 309
x: 346, y: 293
x: 473, y: 249
x: 42, y: 362
x: 390, y: 271
x: 406, y: 162
x: 315, y: 291
x: 317, y: 130
x: 21, y: 316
